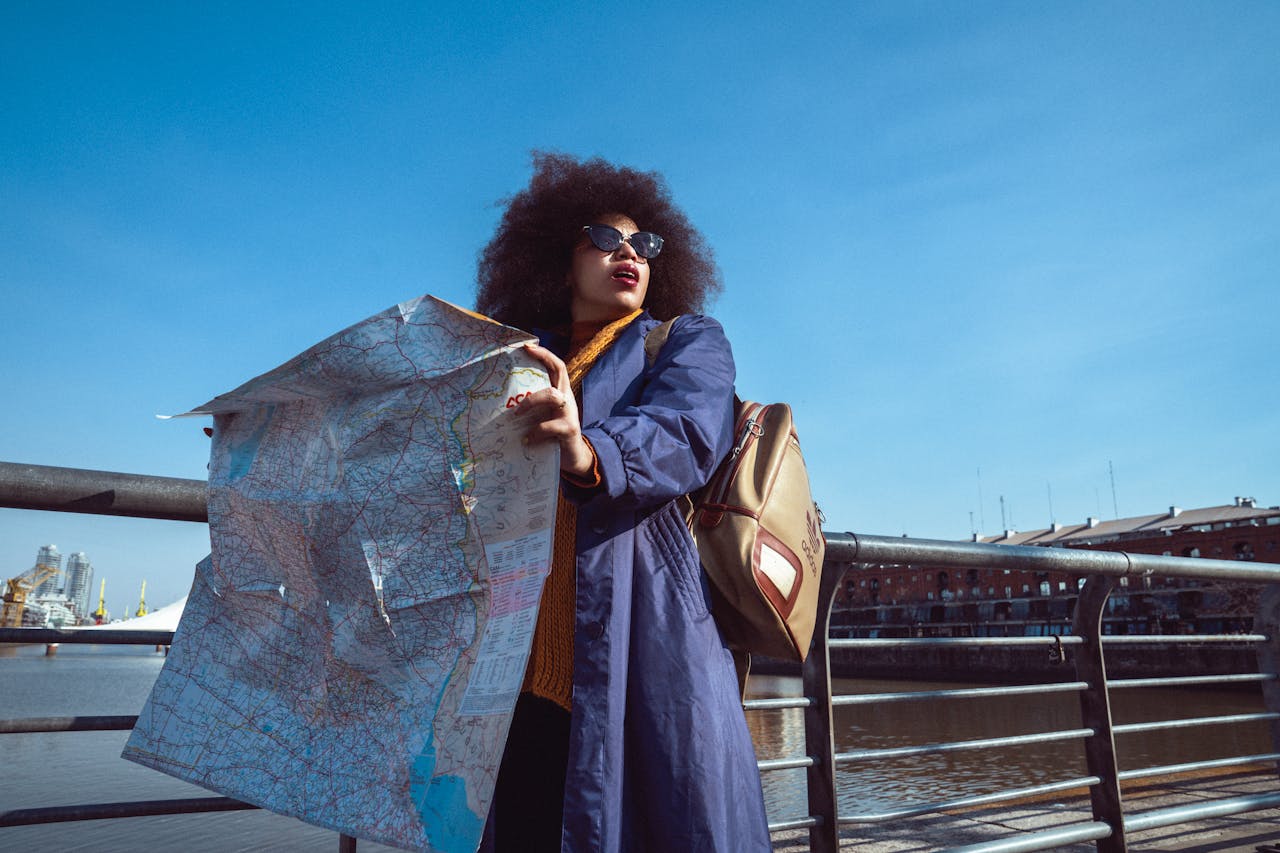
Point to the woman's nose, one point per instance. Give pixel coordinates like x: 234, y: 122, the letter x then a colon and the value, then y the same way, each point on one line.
x: 626, y: 250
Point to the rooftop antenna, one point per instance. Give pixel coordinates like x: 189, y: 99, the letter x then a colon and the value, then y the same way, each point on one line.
x: 1004, y: 525
x: 982, y: 516
x: 1053, y: 519
x: 972, y: 530
x: 1115, y: 506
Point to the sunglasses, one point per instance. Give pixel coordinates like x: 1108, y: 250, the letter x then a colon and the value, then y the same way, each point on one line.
x: 606, y: 238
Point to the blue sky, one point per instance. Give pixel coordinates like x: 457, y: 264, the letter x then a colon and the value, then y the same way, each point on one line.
x: 1026, y: 240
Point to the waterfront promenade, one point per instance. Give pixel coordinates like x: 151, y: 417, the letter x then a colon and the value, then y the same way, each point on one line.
x: 1242, y: 833
x: 871, y: 751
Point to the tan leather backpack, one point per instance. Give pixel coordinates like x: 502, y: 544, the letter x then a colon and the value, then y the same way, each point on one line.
x: 759, y: 532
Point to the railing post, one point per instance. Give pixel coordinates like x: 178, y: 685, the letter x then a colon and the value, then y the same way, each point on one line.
x: 1095, y: 712
x: 1267, y: 621
x: 819, y: 735
x: 346, y: 843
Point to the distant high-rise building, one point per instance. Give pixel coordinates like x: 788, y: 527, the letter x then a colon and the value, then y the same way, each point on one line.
x: 79, y: 582
x: 49, y: 556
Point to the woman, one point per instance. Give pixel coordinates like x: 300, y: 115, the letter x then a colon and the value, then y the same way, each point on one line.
x: 629, y: 733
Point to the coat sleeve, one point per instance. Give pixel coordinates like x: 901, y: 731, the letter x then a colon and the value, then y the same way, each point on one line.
x: 670, y: 442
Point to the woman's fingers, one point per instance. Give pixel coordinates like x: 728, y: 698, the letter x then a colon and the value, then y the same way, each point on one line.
x: 553, y: 415
x: 550, y: 413
x: 545, y: 404
x: 556, y: 370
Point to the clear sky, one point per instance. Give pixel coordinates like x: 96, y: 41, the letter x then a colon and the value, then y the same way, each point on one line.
x: 985, y: 249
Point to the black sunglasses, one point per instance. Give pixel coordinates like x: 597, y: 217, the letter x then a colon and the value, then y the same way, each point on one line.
x: 606, y: 238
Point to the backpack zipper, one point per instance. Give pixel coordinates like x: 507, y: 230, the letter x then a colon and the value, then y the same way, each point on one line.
x: 751, y: 430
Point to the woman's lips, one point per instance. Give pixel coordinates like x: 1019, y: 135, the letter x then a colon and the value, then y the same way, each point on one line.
x: 626, y: 274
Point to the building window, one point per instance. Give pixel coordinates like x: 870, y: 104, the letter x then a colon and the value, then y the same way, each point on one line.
x: 1045, y: 589
x: 1062, y: 586
x: 1244, y: 550
x: 1191, y: 552
x: 1026, y: 588
x: 1008, y: 592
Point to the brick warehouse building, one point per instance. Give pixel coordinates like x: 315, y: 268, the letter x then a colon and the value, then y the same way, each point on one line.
x: 934, y: 600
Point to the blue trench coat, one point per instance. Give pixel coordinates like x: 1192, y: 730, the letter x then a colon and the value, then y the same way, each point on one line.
x: 660, y: 758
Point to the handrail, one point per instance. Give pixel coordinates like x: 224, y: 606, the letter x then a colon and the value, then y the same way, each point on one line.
x: 108, y: 493
x: 45, y: 487
x: 131, y: 808
x: 86, y: 636
x: 894, y: 550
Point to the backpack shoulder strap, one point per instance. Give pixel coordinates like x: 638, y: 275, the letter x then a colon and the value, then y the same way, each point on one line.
x: 656, y: 337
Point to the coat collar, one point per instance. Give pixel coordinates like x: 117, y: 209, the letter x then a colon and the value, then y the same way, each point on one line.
x: 617, y: 368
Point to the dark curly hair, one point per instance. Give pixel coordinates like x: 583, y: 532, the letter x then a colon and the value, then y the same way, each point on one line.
x: 522, y: 272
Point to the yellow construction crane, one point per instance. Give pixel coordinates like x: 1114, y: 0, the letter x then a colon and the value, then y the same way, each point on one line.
x: 142, y: 601
x: 15, y: 596
x: 100, y: 615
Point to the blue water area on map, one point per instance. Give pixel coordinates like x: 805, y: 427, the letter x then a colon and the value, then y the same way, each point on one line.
x: 243, y: 452
x: 450, y: 824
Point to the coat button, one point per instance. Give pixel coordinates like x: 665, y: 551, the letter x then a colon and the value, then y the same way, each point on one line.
x: 594, y: 630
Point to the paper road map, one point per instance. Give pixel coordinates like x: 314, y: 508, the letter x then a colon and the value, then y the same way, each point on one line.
x: 353, y: 646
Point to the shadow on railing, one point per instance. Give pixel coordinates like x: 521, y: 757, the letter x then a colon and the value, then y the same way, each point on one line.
x: 70, y: 490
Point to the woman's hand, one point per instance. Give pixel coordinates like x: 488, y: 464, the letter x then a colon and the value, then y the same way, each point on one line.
x: 553, y: 413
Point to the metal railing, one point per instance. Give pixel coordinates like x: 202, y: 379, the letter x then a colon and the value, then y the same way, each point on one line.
x: 1096, y: 735
x: 71, y: 490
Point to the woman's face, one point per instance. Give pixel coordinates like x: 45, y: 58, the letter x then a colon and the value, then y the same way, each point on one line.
x: 607, y: 285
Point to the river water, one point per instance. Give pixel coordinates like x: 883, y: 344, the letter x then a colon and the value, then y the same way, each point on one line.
x: 85, y: 767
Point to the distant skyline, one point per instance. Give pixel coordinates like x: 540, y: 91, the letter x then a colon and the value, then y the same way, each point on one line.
x: 1035, y: 241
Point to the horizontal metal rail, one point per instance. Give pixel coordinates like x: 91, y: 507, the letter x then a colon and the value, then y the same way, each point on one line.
x: 1225, y: 807
x: 103, y: 811
x: 962, y: 745
x: 797, y: 823
x: 770, y: 764
x: 961, y: 693
x: 886, y: 642
x: 1045, y: 839
x: 1190, y: 722
x: 1193, y: 766
x: 1190, y: 680
x: 867, y: 553
x: 86, y: 636
x: 29, y: 725
x: 101, y: 492
x: 1179, y: 639
x: 968, y: 802
x: 777, y: 704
